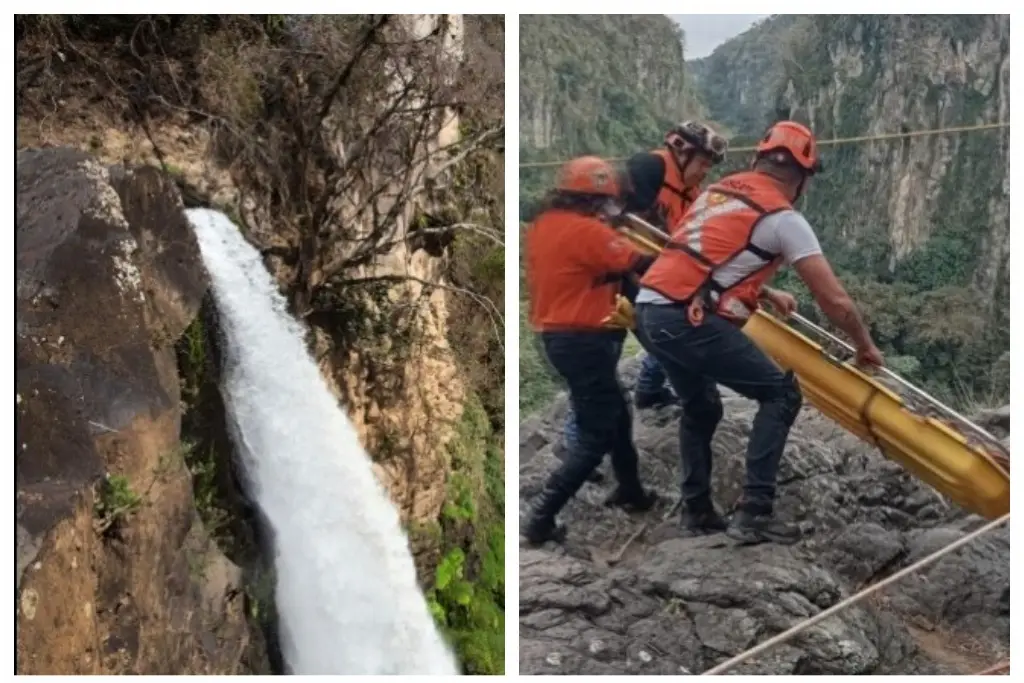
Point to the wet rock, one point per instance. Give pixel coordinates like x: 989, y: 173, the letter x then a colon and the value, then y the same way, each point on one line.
x: 119, y: 578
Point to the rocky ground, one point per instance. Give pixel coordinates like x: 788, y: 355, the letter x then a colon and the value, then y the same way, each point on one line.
x: 627, y: 594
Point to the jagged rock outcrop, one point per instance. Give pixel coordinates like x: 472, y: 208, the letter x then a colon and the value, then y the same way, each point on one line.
x: 116, y: 573
x: 678, y: 605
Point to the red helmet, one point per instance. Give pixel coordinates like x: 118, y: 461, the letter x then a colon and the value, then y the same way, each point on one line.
x: 588, y: 175
x: 795, y: 141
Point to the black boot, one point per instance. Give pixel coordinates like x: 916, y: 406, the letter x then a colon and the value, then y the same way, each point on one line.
x: 701, y: 520
x: 542, y: 526
x: 635, y: 499
x: 752, y: 525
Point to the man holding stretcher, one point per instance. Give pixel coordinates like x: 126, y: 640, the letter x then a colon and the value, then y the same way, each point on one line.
x: 694, y: 299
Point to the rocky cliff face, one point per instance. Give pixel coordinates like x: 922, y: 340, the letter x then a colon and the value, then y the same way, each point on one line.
x: 855, y: 76
x: 628, y: 595
x: 116, y: 571
x: 599, y: 84
x: 917, y: 226
x: 932, y: 203
x: 740, y: 81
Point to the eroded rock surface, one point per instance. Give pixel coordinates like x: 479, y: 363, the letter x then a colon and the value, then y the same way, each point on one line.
x: 108, y: 277
x: 671, y: 605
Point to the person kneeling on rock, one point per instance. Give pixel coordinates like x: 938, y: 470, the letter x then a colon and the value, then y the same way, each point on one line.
x: 575, y: 263
x: 695, y: 298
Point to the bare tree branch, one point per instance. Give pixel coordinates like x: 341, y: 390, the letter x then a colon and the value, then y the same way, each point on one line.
x: 497, y: 319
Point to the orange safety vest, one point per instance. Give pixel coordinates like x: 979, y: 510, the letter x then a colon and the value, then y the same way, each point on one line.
x: 716, y: 229
x: 573, y: 264
x: 674, y: 198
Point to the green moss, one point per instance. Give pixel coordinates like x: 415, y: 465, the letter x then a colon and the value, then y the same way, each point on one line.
x: 204, y: 450
x: 115, y: 500
x: 467, y: 597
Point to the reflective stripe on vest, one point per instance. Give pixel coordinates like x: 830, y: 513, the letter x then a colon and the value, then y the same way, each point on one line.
x: 716, y: 230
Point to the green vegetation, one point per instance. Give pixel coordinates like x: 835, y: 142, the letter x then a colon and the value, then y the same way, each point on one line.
x: 940, y: 308
x: 467, y: 597
x: 114, y: 501
x: 468, y: 594
x: 205, y: 450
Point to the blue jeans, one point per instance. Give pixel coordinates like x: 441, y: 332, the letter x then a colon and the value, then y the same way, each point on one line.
x: 697, y: 360
x: 651, y: 380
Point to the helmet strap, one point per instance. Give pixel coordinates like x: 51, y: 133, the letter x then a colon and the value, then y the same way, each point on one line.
x: 800, y: 189
x: 682, y: 165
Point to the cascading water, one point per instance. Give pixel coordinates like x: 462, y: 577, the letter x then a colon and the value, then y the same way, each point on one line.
x: 347, y: 596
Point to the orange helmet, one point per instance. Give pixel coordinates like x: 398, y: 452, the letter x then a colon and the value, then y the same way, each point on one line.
x: 796, y: 140
x: 588, y: 175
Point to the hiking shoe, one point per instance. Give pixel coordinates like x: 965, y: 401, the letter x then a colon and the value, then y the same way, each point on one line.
x: 657, y: 399
x: 749, y: 529
x: 540, y: 530
x: 638, y: 502
x: 701, y: 522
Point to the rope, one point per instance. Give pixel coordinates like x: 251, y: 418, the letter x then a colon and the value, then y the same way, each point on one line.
x: 853, y: 599
x: 834, y: 141
x: 994, y: 670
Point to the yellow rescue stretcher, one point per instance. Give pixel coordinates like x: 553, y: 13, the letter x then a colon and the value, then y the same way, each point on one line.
x: 971, y: 469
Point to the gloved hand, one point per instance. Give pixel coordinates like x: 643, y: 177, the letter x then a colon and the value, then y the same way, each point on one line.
x: 622, y: 317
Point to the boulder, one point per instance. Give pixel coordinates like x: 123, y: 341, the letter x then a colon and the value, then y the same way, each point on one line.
x: 115, y: 572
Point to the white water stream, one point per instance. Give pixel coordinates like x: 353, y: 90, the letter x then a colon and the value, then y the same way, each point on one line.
x: 347, y: 596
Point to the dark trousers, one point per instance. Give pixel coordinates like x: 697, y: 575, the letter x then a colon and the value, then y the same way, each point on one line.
x: 696, y: 360
x: 587, y: 362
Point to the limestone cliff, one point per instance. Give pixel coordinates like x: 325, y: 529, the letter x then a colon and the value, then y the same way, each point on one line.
x: 855, y: 76
x: 923, y: 220
x: 739, y: 82
x: 871, y: 75
x: 599, y: 84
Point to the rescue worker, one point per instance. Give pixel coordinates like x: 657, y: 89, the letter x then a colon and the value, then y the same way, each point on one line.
x: 697, y: 294
x: 662, y: 184
x: 574, y: 266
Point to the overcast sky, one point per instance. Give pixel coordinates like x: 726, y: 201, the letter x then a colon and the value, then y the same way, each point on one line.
x: 705, y: 32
